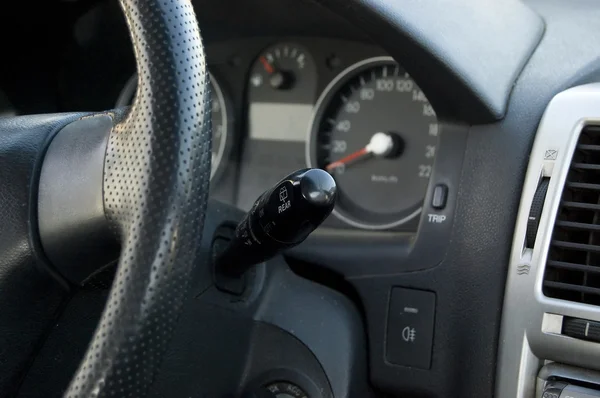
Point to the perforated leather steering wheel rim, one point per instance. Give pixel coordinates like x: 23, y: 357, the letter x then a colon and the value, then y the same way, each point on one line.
x: 155, y: 189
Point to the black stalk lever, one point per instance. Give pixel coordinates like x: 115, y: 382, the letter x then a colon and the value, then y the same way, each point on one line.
x: 281, y: 218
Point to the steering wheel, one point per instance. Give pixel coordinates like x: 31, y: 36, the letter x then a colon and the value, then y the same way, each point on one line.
x: 147, y: 184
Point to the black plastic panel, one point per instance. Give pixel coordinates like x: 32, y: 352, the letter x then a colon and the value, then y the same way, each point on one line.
x: 324, y: 320
x: 465, y: 55
x: 225, y: 343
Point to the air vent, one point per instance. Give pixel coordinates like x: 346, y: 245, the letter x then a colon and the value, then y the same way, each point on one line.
x: 573, y: 267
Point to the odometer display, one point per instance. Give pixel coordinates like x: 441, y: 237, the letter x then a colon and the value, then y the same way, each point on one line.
x: 376, y: 133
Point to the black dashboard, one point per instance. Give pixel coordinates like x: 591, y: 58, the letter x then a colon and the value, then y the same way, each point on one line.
x: 292, y: 97
x: 430, y: 164
x: 280, y: 103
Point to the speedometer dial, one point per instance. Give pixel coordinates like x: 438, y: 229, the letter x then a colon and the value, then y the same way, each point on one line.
x: 376, y: 133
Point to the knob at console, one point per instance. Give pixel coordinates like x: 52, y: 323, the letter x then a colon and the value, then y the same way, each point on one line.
x: 279, y: 389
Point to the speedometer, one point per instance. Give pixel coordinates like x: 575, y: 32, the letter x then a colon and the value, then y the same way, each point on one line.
x: 375, y: 131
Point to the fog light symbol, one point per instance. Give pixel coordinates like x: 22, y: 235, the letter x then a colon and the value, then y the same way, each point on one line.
x: 409, y: 334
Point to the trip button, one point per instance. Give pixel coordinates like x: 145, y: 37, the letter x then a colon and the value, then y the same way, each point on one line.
x: 410, y: 328
x: 440, y: 196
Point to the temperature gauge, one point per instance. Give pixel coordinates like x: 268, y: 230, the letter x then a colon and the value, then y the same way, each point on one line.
x: 284, y: 67
x: 281, y: 91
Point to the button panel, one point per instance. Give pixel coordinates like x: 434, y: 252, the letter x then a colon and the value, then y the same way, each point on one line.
x: 410, y: 328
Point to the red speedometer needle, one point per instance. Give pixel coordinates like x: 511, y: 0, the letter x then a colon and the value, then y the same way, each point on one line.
x: 381, y: 144
x: 353, y: 156
x: 268, y: 67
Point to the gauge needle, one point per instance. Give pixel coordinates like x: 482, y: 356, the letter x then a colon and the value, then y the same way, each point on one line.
x: 268, y: 67
x: 380, y: 144
x: 347, y: 159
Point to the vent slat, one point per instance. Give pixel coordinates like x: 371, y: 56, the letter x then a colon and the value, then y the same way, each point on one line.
x: 585, y: 166
x: 586, y: 147
x: 573, y: 267
x: 578, y: 225
x: 583, y: 185
x: 573, y: 288
x: 576, y: 246
x: 592, y: 129
x: 581, y: 205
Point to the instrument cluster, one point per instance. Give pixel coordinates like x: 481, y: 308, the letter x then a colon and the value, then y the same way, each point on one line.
x: 342, y: 106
